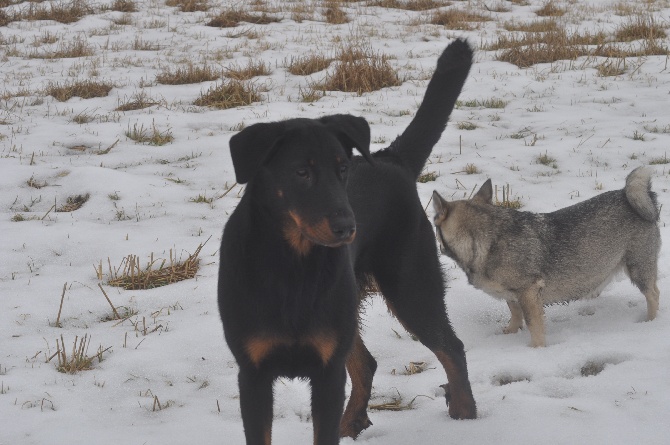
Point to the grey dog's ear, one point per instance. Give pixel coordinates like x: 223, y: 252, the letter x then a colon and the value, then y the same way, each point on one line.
x: 251, y: 146
x: 485, y: 194
x: 439, y: 204
x: 351, y: 131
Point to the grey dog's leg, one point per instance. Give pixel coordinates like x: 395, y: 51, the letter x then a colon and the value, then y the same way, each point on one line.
x: 516, y: 321
x: 533, y: 313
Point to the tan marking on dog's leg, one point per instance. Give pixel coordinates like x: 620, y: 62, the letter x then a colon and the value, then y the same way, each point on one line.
x: 325, y: 345
x: 516, y: 321
x: 458, y: 388
x: 361, y: 367
x: 259, y: 347
x: 652, y: 296
x: 533, y: 313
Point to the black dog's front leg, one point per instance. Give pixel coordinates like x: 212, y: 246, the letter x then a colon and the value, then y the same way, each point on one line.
x: 256, y: 403
x: 328, y: 403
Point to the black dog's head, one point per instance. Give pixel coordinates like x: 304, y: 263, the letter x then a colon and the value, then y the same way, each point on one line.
x: 301, y: 165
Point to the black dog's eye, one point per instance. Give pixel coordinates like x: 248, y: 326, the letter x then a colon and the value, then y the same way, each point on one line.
x: 343, y: 169
x: 303, y: 173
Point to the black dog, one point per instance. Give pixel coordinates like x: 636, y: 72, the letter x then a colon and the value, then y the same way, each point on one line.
x: 314, y: 226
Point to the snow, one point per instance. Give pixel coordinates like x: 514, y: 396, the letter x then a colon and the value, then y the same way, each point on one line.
x: 586, y: 122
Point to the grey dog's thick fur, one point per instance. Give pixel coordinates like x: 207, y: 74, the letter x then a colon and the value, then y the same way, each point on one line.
x: 533, y: 259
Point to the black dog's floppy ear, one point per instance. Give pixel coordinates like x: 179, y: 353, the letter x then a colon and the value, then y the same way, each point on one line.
x: 250, y: 147
x: 351, y: 131
x: 485, y: 194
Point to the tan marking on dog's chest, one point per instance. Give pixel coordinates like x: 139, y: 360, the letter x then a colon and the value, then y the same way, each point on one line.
x: 293, y: 234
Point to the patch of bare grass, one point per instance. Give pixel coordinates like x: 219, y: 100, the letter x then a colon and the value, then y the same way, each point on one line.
x: 549, y: 9
x: 308, y: 64
x: 130, y: 275
x: 640, y: 27
x: 188, y: 74
x: 149, y: 136
x: 250, y: 70
x: 189, y: 5
x: 230, y: 18
x: 410, y: 5
x: 229, y: 94
x: 546, y: 25
x: 59, y: 12
x: 86, y: 89
x: 73, y: 203
x: 78, y: 47
x: 360, y: 70
x: 335, y: 16
x: 78, y: 359
x: 137, y: 101
x: 534, y: 48
x: 458, y: 19
x: 123, y: 6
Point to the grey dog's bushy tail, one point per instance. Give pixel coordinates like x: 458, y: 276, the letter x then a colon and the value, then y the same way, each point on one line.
x: 639, y: 194
x: 415, y: 144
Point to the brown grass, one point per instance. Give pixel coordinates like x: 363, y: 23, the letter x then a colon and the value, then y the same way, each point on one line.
x: 149, y: 136
x: 85, y: 89
x: 230, y: 18
x: 229, y: 94
x: 506, y: 201
x: 78, y: 47
x: 59, y: 12
x: 73, y: 203
x: 549, y: 9
x: 546, y: 25
x: 137, y: 101
x: 335, y: 16
x: 251, y: 70
x: 130, y: 275
x: 78, y: 359
x: 410, y: 5
x: 309, y: 64
x: 188, y: 74
x: 639, y: 27
x: 124, y: 6
x: 458, y: 19
x: 189, y: 5
x: 360, y: 70
x: 533, y: 48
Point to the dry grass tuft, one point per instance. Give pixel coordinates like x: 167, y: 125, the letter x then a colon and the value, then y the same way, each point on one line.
x: 78, y: 360
x: 85, y: 89
x: 335, y: 16
x: 639, y: 27
x: 427, y: 177
x: 410, y: 5
x: 309, y: 64
x: 230, y: 18
x: 546, y: 25
x: 188, y: 74
x: 158, y: 272
x: 149, y: 136
x: 189, y: 5
x: 360, y: 70
x: 458, y: 19
x: 59, y: 12
x: 251, y: 70
x: 229, y: 94
x: 73, y: 203
x: 124, y: 6
x: 78, y: 47
x: 549, y: 9
x: 137, y: 101
x: 506, y: 202
x: 533, y: 48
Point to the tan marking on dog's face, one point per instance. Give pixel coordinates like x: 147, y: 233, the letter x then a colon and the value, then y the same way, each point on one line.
x: 259, y: 347
x: 302, y: 236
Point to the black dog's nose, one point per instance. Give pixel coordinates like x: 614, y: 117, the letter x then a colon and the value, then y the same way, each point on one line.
x: 344, y: 228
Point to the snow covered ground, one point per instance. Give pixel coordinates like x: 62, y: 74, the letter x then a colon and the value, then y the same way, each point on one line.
x: 168, y: 377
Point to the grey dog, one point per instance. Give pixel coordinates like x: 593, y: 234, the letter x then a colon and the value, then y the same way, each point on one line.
x: 533, y: 259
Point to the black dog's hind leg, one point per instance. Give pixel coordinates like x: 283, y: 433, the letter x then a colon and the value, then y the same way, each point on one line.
x: 256, y: 403
x: 327, y: 403
x: 361, y: 367
x: 411, y: 281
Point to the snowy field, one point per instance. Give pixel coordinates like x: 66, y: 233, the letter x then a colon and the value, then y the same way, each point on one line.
x: 166, y: 375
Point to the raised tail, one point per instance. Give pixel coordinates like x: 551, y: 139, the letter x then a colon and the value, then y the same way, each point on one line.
x: 639, y: 194
x: 414, y: 145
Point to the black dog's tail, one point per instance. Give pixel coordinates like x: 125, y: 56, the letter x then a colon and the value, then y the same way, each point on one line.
x: 414, y: 145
